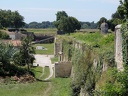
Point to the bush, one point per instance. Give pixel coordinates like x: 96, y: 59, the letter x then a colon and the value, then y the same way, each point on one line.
x: 4, y: 35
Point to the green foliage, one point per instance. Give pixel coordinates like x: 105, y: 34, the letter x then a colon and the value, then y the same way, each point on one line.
x: 94, y: 47
x: 96, y: 39
x: 88, y: 25
x: 124, y: 30
x: 11, y: 19
x: 85, y: 74
x: 60, y: 15
x: 115, y: 84
x: 66, y: 23
x: 67, y: 49
x: 103, y: 19
x: 25, y: 54
x: 7, y: 52
x: 4, y: 35
x: 44, y: 24
x: 123, y: 8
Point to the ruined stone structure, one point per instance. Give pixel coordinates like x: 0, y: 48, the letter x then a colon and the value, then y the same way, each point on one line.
x: 104, y: 28
x: 62, y: 69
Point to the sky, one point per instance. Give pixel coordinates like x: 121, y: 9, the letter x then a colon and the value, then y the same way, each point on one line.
x: 45, y: 10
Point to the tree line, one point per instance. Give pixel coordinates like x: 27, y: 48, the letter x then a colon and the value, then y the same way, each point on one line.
x: 48, y: 24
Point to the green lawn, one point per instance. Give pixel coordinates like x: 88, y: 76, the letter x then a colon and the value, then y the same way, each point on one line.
x: 61, y: 87
x: 38, y: 72
x: 29, y: 89
x: 54, y: 59
x: 49, y: 51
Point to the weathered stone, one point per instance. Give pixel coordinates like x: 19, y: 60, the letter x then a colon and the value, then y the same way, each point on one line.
x: 63, y: 69
x: 118, y: 48
x: 104, y: 28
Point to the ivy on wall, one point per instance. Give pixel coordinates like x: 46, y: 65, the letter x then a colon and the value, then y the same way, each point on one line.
x: 124, y: 30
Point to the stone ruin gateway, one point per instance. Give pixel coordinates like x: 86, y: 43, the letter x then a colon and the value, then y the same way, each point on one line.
x: 104, y: 27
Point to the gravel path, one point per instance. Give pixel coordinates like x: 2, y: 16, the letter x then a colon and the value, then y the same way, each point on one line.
x: 44, y: 60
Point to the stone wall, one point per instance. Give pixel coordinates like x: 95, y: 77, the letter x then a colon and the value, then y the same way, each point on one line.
x: 62, y: 69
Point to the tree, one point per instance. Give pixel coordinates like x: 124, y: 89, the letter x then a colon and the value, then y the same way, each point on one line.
x: 123, y: 8
x: 120, y: 15
x: 66, y: 23
x: 103, y: 19
x: 11, y: 19
x: 60, y: 15
x: 26, y: 52
x: 17, y: 20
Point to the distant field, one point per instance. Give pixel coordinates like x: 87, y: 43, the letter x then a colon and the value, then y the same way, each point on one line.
x: 54, y: 30
x: 45, y: 31
x: 89, y: 30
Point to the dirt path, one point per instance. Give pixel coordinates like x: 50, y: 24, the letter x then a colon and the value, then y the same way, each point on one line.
x: 43, y: 61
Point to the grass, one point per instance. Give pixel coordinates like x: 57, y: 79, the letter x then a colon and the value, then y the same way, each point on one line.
x: 45, y: 31
x: 61, y: 87
x: 28, y: 89
x: 54, y: 59
x: 96, y: 40
x: 38, y: 72
x: 49, y: 51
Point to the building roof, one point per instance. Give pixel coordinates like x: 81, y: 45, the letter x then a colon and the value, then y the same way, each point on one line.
x: 14, y: 42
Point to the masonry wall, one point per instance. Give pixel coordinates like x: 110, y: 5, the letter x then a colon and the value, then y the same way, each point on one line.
x: 57, y: 48
x: 62, y: 69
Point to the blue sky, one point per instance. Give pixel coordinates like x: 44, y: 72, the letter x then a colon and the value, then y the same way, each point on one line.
x: 45, y: 10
